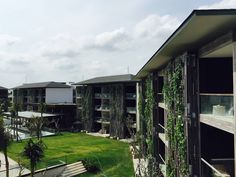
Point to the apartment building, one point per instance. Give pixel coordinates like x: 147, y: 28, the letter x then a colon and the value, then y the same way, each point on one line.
x: 193, y: 80
x: 58, y: 98
x: 108, y: 105
x: 4, y: 96
x: 3, y: 93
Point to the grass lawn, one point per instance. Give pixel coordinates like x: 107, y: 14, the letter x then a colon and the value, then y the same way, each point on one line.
x: 114, y: 156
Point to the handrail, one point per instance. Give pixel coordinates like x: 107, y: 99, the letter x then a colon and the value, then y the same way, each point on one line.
x: 213, y: 168
x: 215, y: 94
x: 163, y: 127
x: 162, y: 159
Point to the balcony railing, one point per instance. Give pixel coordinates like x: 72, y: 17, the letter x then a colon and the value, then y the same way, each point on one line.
x: 102, y: 95
x: 102, y: 107
x: 79, y: 95
x: 216, y: 104
x: 160, y: 97
x: 216, y: 169
x: 163, y: 135
x: 131, y: 96
x: 162, y: 165
x: 131, y: 109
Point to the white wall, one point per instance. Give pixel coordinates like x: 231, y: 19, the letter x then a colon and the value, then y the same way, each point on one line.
x: 59, y: 95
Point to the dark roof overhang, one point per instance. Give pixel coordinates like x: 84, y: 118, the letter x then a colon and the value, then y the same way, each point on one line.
x: 200, y: 27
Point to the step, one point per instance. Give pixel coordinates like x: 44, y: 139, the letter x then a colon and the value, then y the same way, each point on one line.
x: 74, y: 174
x: 74, y: 167
x: 73, y: 164
x: 72, y: 170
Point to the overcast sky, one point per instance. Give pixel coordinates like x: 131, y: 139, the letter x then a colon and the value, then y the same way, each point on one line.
x: 73, y: 40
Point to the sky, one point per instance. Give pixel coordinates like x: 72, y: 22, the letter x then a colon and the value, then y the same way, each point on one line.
x: 74, y: 40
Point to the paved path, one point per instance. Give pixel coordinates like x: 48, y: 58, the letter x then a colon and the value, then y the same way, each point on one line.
x: 14, y: 167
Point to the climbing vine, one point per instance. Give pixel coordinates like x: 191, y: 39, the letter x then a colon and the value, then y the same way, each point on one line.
x: 173, y: 95
x: 148, y: 107
x: 117, y: 111
x: 87, y: 110
x: 145, y: 105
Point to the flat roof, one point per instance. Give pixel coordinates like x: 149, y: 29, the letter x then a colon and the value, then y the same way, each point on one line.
x: 31, y: 115
x: 108, y: 79
x: 50, y: 84
x: 200, y: 27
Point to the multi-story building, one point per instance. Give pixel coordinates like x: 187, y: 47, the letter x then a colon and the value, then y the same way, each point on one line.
x: 108, y: 105
x: 194, y: 124
x: 4, y: 97
x: 3, y: 93
x: 58, y: 98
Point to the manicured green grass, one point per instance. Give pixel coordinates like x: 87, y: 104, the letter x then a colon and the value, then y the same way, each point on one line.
x: 113, y: 156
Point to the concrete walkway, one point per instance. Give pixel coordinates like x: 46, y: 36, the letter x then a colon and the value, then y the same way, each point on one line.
x: 14, y: 167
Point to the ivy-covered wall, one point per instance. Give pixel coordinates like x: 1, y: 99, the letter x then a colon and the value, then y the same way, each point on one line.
x: 87, y: 111
x: 174, y: 98
x: 145, y: 106
x: 173, y: 91
x: 117, y: 122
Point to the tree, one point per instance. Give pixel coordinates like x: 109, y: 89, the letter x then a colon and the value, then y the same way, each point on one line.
x: 4, y: 143
x: 35, y: 126
x: 42, y: 108
x: 34, y: 151
x: 14, y: 116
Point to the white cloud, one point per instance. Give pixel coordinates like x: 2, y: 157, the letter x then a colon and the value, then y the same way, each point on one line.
x: 223, y: 4
x: 59, y: 46
x: 110, y: 40
x: 68, y: 57
x: 156, y: 26
x: 13, y: 62
x: 8, y: 40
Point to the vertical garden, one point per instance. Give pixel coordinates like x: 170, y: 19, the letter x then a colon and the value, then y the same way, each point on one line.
x: 173, y: 90
x: 87, y: 111
x: 117, y: 123
x: 174, y: 99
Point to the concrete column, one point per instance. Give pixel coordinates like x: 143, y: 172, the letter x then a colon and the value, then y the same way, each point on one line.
x: 234, y: 89
x: 137, y: 110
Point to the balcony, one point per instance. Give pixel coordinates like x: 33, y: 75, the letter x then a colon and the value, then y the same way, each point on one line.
x: 130, y: 96
x: 160, y: 97
x: 217, y: 167
x: 162, y: 105
x: 162, y: 166
x: 163, y: 135
x: 217, y: 110
x: 102, y: 120
x: 79, y: 95
x: 101, y: 96
x: 102, y: 108
x: 131, y: 110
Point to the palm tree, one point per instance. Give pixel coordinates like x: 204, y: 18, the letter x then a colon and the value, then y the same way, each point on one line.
x: 34, y: 151
x: 4, y: 143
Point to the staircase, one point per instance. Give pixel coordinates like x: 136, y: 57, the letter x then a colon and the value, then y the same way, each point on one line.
x: 73, y: 169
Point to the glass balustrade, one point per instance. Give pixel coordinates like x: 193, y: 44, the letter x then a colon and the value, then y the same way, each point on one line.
x: 130, y: 95
x: 216, y: 104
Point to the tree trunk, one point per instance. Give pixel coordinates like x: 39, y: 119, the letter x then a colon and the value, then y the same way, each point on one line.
x: 32, y: 169
x: 6, y: 162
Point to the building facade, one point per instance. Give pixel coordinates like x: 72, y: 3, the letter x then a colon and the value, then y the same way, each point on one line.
x: 58, y: 98
x: 192, y: 78
x: 4, y: 97
x: 108, y: 105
